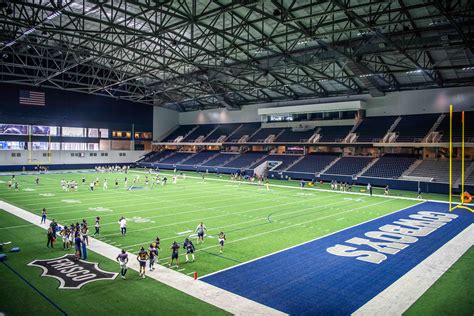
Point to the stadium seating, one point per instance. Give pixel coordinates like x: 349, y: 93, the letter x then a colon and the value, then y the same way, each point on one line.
x: 285, y: 159
x: 313, y: 163
x: 219, y: 160
x: 332, y: 134
x: 199, y: 158
x: 295, y: 137
x: 202, y: 130
x: 390, y: 166
x: 349, y: 166
x: 443, y: 127
x: 437, y: 170
x: 246, y: 129
x: 222, y: 130
x: 176, y: 158
x: 413, y: 128
x: 373, y: 129
x: 262, y: 134
x: 180, y: 131
x: 245, y: 160
x: 156, y: 156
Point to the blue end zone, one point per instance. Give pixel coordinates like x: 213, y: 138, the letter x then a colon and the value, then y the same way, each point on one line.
x: 309, y: 280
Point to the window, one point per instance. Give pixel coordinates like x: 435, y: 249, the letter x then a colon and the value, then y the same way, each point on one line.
x: 122, y: 154
x: 41, y: 130
x: 46, y: 146
x: 73, y: 132
x: 92, y: 154
x: 6, y: 145
x: 13, y: 129
x: 143, y: 135
x: 93, y: 132
x: 104, y: 154
x: 46, y: 154
x: 16, y: 155
x: 121, y: 134
x: 73, y: 146
x: 93, y: 146
x: 104, y: 132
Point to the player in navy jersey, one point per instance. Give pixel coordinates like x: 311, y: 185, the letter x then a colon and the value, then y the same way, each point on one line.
x: 152, y: 255
x: 188, y: 245
x: 174, y: 254
x: 122, y: 259
x: 142, y: 258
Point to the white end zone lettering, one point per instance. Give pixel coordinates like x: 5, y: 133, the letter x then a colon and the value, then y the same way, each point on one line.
x: 391, y: 239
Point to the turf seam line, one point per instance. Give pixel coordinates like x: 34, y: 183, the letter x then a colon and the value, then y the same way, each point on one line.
x: 36, y: 290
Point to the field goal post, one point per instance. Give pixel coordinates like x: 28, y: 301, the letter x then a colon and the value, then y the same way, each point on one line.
x: 34, y: 161
x: 465, y: 196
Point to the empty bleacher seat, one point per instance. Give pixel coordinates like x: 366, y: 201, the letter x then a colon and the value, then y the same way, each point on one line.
x: 413, y: 128
x: 199, y: 158
x: 443, y: 127
x: 202, y: 130
x: 180, y: 131
x: 176, y: 158
x: 333, y: 134
x: 294, y: 136
x: 313, y: 163
x: 390, y: 166
x: 262, y: 134
x: 285, y: 160
x: 373, y: 129
x: 222, y: 130
x: 245, y: 160
x: 246, y: 129
x: 349, y: 166
x: 438, y: 170
x: 219, y: 160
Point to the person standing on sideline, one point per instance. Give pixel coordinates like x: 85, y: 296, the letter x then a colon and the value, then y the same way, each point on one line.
x: 369, y: 188
x: 97, y: 226
x: 419, y: 193
x: 78, y: 244
x: 43, y: 216
x: 123, y: 226
x: 122, y: 259
x: 50, y: 236
x: 142, y: 258
x: 200, y: 230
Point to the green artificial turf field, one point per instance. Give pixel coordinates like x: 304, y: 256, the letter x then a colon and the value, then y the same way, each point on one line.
x: 256, y: 222
x: 118, y: 297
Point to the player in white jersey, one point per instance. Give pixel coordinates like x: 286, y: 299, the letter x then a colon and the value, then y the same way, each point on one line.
x: 175, y: 179
x: 105, y: 185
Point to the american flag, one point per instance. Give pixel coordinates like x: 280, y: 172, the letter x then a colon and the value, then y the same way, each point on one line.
x: 32, y: 98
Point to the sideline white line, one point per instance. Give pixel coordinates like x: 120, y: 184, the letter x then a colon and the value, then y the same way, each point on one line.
x: 399, y: 296
x: 314, y: 189
x: 213, y: 295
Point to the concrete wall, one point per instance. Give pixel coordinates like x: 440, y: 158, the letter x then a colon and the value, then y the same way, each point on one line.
x: 164, y: 122
x: 396, y: 103
x: 64, y: 157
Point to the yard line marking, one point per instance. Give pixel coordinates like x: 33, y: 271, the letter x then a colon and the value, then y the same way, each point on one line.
x: 340, y: 219
x: 294, y: 225
x: 181, y: 269
x: 309, y: 241
x: 185, y: 232
x: 323, y: 190
x: 225, y: 300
